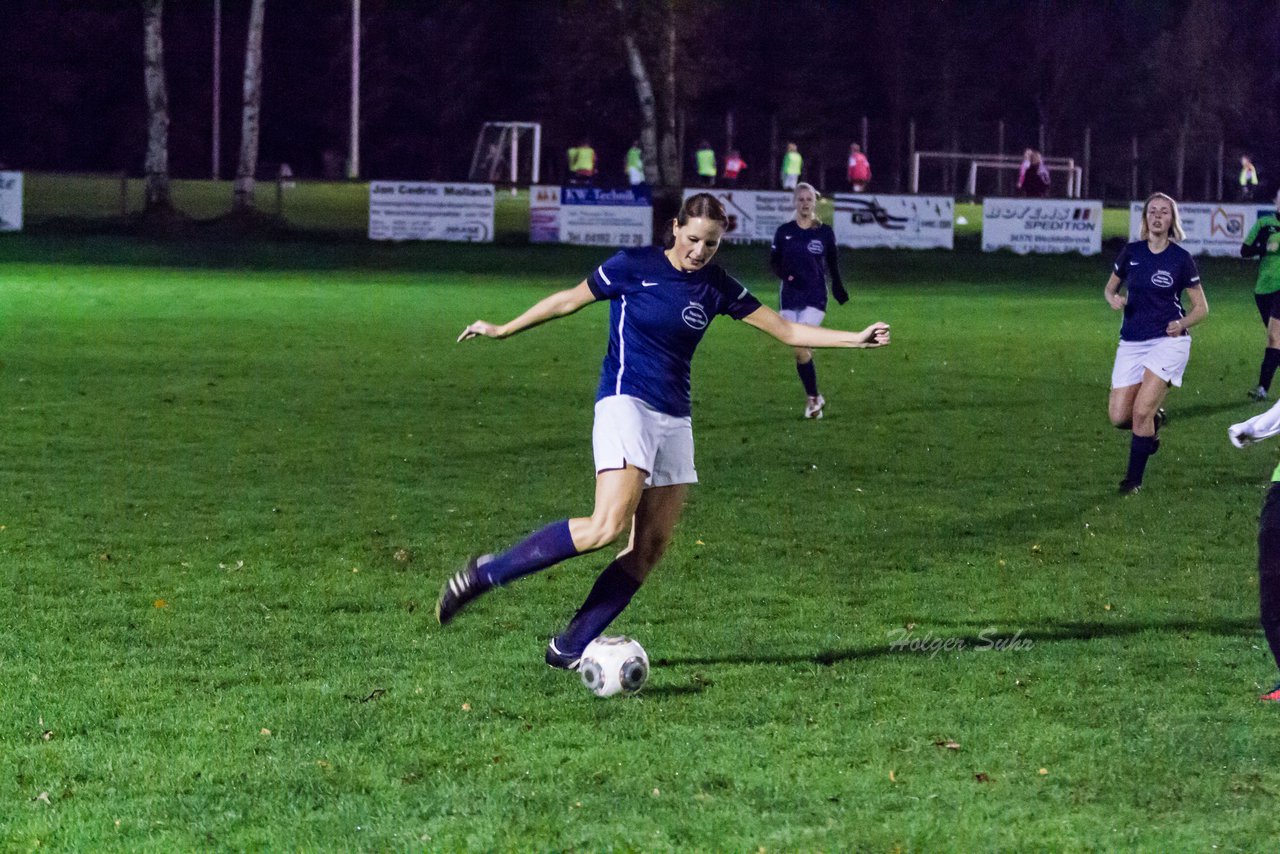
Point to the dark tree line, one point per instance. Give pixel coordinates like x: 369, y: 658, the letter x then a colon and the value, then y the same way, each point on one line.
x: 1180, y: 78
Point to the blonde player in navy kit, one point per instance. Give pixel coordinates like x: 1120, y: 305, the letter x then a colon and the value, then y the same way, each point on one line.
x: 1154, y: 342
x: 803, y: 252
x: 661, y: 302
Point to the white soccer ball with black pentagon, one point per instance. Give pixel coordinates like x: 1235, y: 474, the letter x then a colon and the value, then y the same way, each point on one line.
x: 614, y: 665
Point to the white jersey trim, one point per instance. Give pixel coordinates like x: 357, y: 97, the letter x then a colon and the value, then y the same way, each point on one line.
x: 622, y: 344
x: 600, y: 270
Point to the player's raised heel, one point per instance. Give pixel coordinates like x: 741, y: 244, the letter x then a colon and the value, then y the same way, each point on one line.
x: 465, y: 585
x: 813, y: 406
x: 561, y: 660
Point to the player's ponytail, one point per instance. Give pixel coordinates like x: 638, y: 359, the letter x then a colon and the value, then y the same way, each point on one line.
x: 702, y: 205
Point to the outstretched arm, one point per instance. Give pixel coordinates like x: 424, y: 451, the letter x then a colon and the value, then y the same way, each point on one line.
x: 558, y: 304
x: 801, y: 335
x: 1256, y: 429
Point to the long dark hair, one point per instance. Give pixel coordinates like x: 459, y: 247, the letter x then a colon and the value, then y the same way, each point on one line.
x: 702, y: 205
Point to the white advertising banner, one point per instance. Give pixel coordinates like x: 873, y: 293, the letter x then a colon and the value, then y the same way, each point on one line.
x: 864, y: 221
x: 590, y: 216
x: 754, y: 215
x: 1212, y: 228
x: 544, y: 214
x: 1042, y: 225
x: 413, y: 210
x: 10, y: 201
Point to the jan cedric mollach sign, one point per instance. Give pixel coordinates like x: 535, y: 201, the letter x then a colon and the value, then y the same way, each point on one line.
x: 10, y: 201
x: 414, y: 210
x: 866, y: 220
x: 1212, y: 228
x: 1042, y: 225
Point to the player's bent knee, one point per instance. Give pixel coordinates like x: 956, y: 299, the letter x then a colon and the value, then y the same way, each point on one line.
x: 600, y: 532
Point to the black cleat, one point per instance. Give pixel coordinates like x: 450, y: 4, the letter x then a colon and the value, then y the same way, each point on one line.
x: 1161, y: 418
x: 561, y: 660
x: 1129, y: 487
x: 465, y: 585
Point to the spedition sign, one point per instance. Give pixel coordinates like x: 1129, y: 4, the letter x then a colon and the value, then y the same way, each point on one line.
x: 408, y: 210
x: 10, y: 201
x: 1042, y: 225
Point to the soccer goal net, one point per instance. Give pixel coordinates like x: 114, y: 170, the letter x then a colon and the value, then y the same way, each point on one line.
x: 507, y: 152
x: 996, y: 174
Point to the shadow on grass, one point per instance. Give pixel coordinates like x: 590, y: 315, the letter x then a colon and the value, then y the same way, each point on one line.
x: 992, y: 637
x: 1200, y: 410
x: 673, y: 690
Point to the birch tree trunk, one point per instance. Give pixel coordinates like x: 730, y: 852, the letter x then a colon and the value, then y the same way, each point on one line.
x: 661, y: 151
x: 156, y: 166
x: 644, y: 93
x: 249, y: 118
x: 671, y: 159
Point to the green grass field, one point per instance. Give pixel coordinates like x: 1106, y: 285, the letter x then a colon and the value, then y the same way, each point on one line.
x: 337, y: 206
x: 235, y: 477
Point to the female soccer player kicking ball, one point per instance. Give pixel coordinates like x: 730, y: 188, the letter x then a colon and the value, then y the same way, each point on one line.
x: 661, y: 302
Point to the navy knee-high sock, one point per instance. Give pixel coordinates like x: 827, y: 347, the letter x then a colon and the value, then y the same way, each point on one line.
x: 541, y: 549
x: 1140, y: 448
x: 608, y: 598
x: 1270, y: 361
x: 809, y: 376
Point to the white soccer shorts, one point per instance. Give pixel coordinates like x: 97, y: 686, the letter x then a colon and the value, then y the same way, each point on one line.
x: 808, y: 315
x: 628, y: 430
x: 1165, y: 357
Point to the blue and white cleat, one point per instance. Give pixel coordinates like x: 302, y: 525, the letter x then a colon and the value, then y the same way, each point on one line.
x: 465, y: 585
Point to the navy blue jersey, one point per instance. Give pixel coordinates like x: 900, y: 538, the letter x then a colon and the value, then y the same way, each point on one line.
x: 657, y: 317
x: 1154, y: 284
x: 797, y: 257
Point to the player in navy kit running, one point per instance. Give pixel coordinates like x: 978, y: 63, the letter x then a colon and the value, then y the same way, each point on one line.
x: 661, y: 302
x: 801, y: 249
x: 1154, y: 342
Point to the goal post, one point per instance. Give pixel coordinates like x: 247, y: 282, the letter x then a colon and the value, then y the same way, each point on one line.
x: 507, y: 152
x: 977, y: 162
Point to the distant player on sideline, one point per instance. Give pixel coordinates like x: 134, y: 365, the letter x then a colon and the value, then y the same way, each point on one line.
x: 792, y: 166
x: 1154, y: 342
x: 800, y: 250
x: 1245, y: 433
x: 661, y: 303
x: 1263, y: 241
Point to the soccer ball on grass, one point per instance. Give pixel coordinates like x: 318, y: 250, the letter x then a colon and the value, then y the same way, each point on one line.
x: 614, y: 665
